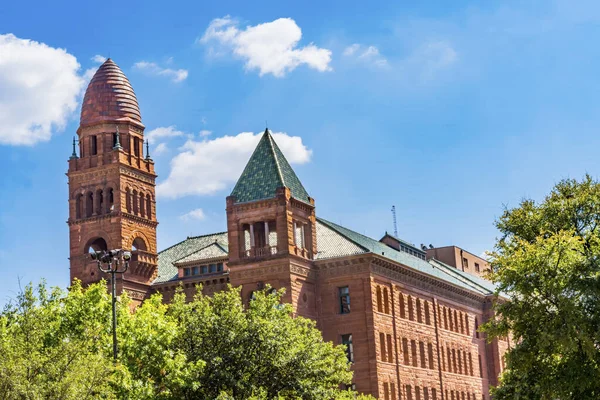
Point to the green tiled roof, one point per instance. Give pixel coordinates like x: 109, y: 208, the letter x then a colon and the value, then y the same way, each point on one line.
x: 167, y: 271
x: 213, y: 250
x: 266, y: 171
x: 437, y: 271
x: 333, y: 241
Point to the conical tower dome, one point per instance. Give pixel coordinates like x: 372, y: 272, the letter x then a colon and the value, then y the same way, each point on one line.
x: 109, y: 98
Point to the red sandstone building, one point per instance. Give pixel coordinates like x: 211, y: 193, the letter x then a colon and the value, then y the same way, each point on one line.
x: 409, y: 320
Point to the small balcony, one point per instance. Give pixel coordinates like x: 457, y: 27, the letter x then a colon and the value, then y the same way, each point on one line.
x: 260, y: 252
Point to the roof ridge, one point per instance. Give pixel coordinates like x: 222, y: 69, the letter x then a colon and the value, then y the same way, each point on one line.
x: 200, y: 249
x: 190, y: 237
x: 272, y: 145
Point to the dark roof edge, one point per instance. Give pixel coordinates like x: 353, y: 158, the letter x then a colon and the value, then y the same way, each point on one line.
x: 191, y: 237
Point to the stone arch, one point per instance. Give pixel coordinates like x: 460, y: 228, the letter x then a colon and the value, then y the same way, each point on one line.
x: 135, y: 235
x: 142, y: 201
x: 92, y: 237
x: 136, y: 202
x: 128, y: 199
x: 89, y: 203
x: 139, y: 244
x: 95, y: 244
x: 148, y: 206
x: 99, y: 200
x: 79, y: 205
x: 109, y: 199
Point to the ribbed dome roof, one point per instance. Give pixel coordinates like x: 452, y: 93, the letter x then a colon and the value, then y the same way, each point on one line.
x: 109, y: 97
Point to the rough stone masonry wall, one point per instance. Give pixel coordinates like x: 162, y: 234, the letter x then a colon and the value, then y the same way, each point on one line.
x: 414, y: 340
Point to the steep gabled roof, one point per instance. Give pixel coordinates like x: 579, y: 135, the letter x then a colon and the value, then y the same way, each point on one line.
x: 210, y: 252
x: 167, y: 271
x: 266, y: 171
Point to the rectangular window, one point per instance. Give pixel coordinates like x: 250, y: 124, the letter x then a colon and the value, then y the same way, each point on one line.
x: 422, y: 354
x: 344, y: 295
x: 386, y: 391
x: 347, y: 340
x: 136, y: 147
x: 204, y: 269
x: 220, y: 267
x: 433, y: 394
x: 212, y: 268
x: 94, y: 145
x: 413, y: 346
x: 195, y: 271
x: 389, y: 347
x: 382, y: 346
x: 430, y: 355
x: 476, y: 267
x: 408, y: 393
x: 405, y: 351
x: 465, y: 263
x: 186, y: 272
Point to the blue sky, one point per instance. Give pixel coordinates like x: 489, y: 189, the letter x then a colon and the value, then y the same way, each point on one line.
x: 448, y: 110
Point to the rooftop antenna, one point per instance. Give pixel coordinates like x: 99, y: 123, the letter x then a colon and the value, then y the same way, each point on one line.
x: 395, y: 223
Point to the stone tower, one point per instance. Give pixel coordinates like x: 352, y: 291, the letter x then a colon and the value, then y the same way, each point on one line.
x: 111, y: 184
x: 271, y: 227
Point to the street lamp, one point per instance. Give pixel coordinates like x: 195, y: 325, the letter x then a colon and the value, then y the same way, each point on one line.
x: 116, y: 262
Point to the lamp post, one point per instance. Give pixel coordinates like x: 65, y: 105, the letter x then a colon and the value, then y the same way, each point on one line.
x: 116, y: 262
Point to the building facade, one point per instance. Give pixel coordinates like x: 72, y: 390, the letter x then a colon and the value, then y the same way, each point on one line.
x: 409, y: 321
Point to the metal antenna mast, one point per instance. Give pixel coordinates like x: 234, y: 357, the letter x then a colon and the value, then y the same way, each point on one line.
x: 395, y: 223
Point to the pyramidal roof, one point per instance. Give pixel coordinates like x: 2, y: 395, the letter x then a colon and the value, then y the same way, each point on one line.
x: 266, y: 171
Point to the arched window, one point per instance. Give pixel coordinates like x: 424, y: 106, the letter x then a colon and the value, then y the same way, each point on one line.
x: 99, y: 201
x: 110, y: 200
x: 138, y: 244
x: 78, y: 205
x: 419, y: 314
x: 89, y: 204
x: 142, y: 205
x: 136, y: 202
x: 96, y: 244
x: 128, y: 200
x: 402, y: 310
x: 379, y: 306
x: 148, y: 206
x: 411, y: 315
x: 386, y: 301
x: 427, y: 317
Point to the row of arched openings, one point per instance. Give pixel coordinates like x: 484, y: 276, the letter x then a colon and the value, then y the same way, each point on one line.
x: 138, y: 203
x: 93, y: 203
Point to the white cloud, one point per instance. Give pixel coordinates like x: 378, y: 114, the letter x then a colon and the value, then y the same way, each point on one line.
x: 205, y: 133
x: 176, y: 75
x: 350, y: 50
x: 432, y: 57
x: 270, y: 47
x: 197, y: 214
x: 162, y: 132
x: 208, y: 166
x: 161, y: 148
x: 369, y: 55
x: 39, y: 90
x: 98, y: 59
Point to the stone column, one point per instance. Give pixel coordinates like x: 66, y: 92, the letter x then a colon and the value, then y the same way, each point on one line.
x: 95, y: 202
x: 267, y: 244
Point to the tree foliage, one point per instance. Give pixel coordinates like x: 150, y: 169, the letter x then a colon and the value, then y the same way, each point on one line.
x: 547, y: 262
x: 57, y: 345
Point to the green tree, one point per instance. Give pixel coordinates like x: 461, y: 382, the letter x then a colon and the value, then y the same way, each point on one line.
x: 57, y: 345
x: 547, y: 262
x: 53, y: 346
x: 259, y: 351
